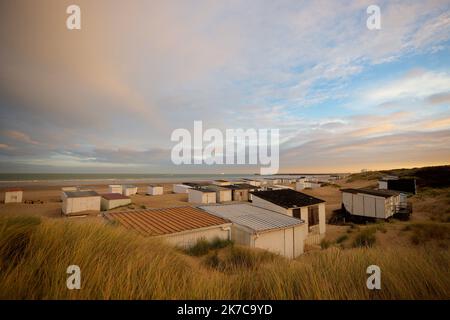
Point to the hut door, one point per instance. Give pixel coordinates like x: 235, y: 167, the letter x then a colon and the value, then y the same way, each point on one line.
x: 313, y: 215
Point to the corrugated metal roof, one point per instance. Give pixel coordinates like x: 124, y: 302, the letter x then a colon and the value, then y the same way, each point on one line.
x: 153, y: 222
x: 79, y: 194
x: 255, y: 218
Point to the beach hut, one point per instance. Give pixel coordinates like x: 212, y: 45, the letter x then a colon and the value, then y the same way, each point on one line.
x: 273, y: 180
x: 221, y: 182
x: 114, y: 200
x: 298, y: 205
x: 257, y: 227
x: 180, y: 226
x: 380, y: 204
x: 76, y: 202
x: 65, y: 189
x: 279, y: 187
x: 241, y: 191
x: 201, y: 195
x: 13, y: 195
x: 181, y: 188
x: 222, y: 194
x: 253, y: 182
x: 115, y: 188
x: 304, y: 184
x: 155, y: 190
x: 405, y: 185
x: 129, y: 190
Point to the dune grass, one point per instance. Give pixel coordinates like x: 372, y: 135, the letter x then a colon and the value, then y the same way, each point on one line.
x: 423, y: 232
x: 118, y: 264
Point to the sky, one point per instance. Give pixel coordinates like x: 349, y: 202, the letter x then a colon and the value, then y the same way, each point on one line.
x: 106, y: 98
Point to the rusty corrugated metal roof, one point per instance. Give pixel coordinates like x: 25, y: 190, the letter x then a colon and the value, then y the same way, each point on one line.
x: 153, y: 222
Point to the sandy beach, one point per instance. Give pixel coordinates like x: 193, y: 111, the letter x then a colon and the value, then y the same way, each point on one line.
x: 44, y: 198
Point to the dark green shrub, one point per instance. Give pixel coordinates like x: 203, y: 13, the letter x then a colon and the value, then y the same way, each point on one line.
x: 324, y: 244
x: 365, y: 238
x: 342, y: 238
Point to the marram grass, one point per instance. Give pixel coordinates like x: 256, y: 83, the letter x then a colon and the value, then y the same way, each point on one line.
x: 118, y: 264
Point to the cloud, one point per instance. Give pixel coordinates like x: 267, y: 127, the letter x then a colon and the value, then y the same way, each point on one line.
x: 113, y: 92
x: 445, y: 122
x: 20, y: 136
x: 417, y: 84
x: 439, y: 98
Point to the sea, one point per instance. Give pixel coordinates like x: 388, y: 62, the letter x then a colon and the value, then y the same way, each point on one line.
x: 69, y: 179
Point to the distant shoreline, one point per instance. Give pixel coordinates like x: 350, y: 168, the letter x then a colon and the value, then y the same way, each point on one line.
x: 53, y: 180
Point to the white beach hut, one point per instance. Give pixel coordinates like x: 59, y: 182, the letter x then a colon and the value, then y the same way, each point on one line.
x: 222, y: 194
x: 203, y: 195
x: 13, y: 195
x: 155, y: 190
x: 79, y: 201
x: 65, y: 189
x: 183, y: 226
x: 115, y: 188
x: 298, y: 205
x: 129, y: 190
x: 262, y: 228
x: 380, y: 204
x: 114, y: 200
x: 181, y: 188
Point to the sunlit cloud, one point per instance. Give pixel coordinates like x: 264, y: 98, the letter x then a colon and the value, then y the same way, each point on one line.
x: 111, y: 94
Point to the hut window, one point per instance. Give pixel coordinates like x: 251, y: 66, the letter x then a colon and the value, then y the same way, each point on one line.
x: 296, y: 213
x: 313, y: 215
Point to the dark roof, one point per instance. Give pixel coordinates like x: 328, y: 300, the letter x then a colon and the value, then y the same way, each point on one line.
x: 378, y: 193
x: 215, y: 187
x: 195, y: 184
x: 155, y: 185
x: 79, y: 194
x: 153, y: 222
x: 287, y: 198
x: 402, y: 185
x: 114, y: 196
x: 221, y: 180
x: 204, y: 189
x: 13, y: 190
x: 240, y: 186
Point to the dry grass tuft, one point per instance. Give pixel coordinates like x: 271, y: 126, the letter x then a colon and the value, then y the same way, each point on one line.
x: 116, y: 264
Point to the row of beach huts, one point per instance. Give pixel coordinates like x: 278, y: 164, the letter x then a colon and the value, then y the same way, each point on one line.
x: 266, y: 215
